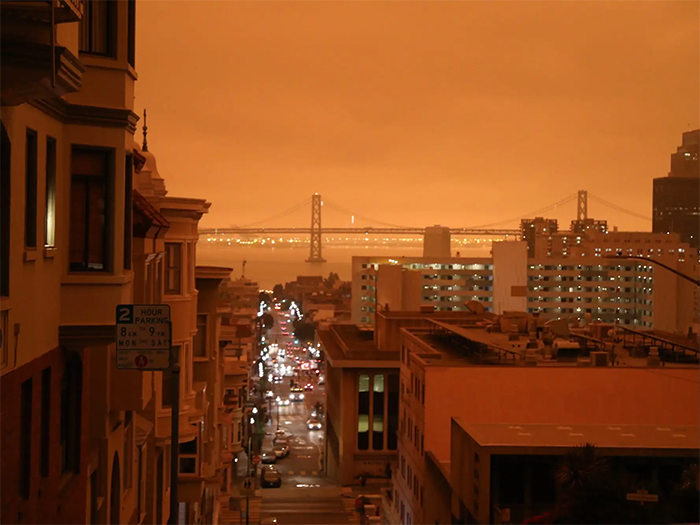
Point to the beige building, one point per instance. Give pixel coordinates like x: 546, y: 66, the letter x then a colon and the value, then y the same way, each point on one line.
x: 69, y: 433
x: 583, y: 279
x: 87, y: 225
x: 461, y: 369
x: 406, y: 283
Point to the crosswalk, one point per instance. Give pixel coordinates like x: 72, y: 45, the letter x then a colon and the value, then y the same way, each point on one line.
x: 307, y: 510
x: 237, y: 517
x: 301, y: 472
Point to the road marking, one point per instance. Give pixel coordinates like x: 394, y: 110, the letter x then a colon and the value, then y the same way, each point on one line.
x: 302, y: 473
x: 304, y: 457
x: 314, y: 473
x: 291, y: 472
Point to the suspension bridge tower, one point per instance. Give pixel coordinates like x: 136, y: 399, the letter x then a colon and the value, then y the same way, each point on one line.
x: 315, y: 253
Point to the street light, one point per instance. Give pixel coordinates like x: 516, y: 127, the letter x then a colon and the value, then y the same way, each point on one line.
x: 696, y: 282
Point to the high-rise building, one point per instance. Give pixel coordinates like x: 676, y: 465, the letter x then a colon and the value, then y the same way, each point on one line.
x: 677, y: 197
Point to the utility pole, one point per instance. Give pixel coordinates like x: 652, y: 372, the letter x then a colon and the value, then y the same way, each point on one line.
x: 174, y: 442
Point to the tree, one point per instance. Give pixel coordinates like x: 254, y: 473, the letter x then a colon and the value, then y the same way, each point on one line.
x: 304, y: 331
x: 278, y: 292
x: 332, y: 279
x: 267, y: 321
x: 591, y: 491
x: 264, y: 297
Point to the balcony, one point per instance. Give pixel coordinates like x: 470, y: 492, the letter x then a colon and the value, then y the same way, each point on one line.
x: 35, y: 70
x: 40, y: 12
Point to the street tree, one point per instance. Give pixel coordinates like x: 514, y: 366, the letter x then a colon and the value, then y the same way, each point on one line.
x: 304, y: 331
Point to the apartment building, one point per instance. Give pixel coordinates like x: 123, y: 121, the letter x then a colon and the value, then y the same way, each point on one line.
x: 569, y: 275
x: 86, y: 225
x: 406, y: 283
x: 67, y: 127
x: 485, y: 371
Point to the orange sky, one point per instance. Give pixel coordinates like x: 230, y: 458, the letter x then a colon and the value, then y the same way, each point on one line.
x: 414, y: 113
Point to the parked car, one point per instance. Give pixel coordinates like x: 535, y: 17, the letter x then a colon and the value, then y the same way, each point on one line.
x: 268, y: 393
x: 281, y: 449
x: 308, y: 386
x: 268, y: 521
x: 321, y: 380
x: 277, y: 379
x: 313, y: 424
x: 268, y: 456
x: 270, y: 477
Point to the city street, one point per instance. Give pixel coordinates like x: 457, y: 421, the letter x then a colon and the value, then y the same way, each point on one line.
x: 305, y: 497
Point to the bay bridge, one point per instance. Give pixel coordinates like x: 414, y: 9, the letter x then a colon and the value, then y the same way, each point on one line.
x: 315, y: 230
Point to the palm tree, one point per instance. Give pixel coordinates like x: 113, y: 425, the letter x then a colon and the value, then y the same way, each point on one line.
x: 580, y: 467
x: 591, y: 492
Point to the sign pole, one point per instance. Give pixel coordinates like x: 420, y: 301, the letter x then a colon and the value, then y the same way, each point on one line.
x: 174, y: 444
x: 247, y: 496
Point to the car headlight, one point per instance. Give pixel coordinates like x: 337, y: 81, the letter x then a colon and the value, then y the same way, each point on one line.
x: 301, y: 396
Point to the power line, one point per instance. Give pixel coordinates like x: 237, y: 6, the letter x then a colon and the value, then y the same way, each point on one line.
x: 529, y: 214
x: 279, y: 214
x: 619, y: 208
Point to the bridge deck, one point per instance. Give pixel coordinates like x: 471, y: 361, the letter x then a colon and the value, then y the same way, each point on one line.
x: 353, y: 231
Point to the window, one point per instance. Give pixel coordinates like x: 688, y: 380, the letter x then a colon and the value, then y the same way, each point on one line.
x: 71, y: 405
x: 363, y: 401
x: 89, y: 210
x: 25, y: 439
x: 31, y: 190
x: 378, y: 413
x: 98, y: 28
x: 50, y: 215
x: 5, y: 177
x: 393, y: 412
x: 131, y: 32
x: 141, y: 486
x: 128, y: 210
x: 173, y: 268
x: 188, y: 457
x: 128, y: 448
x: 45, y: 421
x: 200, y: 338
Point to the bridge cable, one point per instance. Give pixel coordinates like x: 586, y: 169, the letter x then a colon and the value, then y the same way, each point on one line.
x: 619, y: 208
x: 279, y: 214
x: 369, y: 219
x: 529, y: 214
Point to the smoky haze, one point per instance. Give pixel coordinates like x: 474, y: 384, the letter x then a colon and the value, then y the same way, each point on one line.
x: 415, y: 113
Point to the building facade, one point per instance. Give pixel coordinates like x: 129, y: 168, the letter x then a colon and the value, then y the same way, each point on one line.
x: 87, y: 225
x: 461, y: 369
x: 677, y: 196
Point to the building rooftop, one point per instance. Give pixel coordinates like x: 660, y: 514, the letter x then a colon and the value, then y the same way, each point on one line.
x: 461, y: 343
x: 347, y: 342
x: 567, y: 436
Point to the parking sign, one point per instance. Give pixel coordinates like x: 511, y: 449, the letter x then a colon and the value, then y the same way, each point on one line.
x: 143, y: 336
